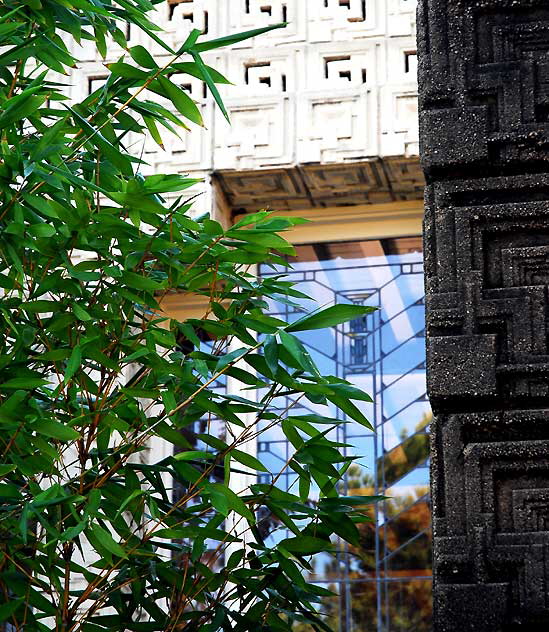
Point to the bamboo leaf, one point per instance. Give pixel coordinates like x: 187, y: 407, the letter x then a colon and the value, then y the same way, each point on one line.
x: 20, y: 107
x: 106, y: 540
x: 180, y: 99
x: 225, y: 501
x: 142, y: 57
x: 229, y: 40
x: 305, y: 545
x: 330, y: 317
x: 92, y: 134
x: 56, y: 430
x: 248, y: 460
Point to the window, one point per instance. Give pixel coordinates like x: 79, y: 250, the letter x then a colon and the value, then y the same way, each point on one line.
x: 385, y: 584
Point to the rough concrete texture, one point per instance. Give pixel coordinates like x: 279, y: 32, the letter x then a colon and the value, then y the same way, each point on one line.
x: 484, y: 121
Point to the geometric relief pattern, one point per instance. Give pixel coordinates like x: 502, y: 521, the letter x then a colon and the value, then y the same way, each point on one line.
x: 488, y: 309
x: 484, y: 135
x: 336, y: 86
x: 345, y: 69
x: 491, y: 521
x: 305, y: 186
x: 496, y: 106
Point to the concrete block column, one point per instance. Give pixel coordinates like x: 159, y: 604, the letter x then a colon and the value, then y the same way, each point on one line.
x: 484, y: 128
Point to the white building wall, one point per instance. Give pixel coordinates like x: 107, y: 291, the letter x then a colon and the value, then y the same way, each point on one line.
x: 338, y: 84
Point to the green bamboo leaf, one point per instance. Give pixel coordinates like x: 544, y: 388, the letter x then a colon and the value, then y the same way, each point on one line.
x: 42, y: 230
x: 153, y: 130
x: 229, y: 40
x: 270, y: 351
x: 9, y: 28
x: 192, y: 68
x: 141, y: 392
x: 6, y: 468
x: 56, y: 430
x: 137, y: 201
x: 88, y: 6
x: 261, y: 323
x: 183, y: 471
x: 67, y: 176
x: 211, y: 85
x: 305, y: 545
x: 298, y: 352
x: 55, y: 355
x: 40, y: 307
x: 139, y: 282
x: 248, y: 460
x: 9, y: 14
x: 225, y: 501
x: 73, y: 532
x: 24, y: 383
x: 228, y: 358
x: 9, y: 608
x: 112, y: 153
x: 252, y: 218
x: 235, y: 559
x: 282, y: 514
x: 261, y: 239
x: 106, y: 540
x: 180, y: 99
x: 6, y: 282
x: 74, y: 363
x: 291, y: 434
x: 49, y: 59
x: 137, y: 493
x: 219, y: 501
x: 330, y: 317
x: 80, y: 313
x: 188, y: 44
x: 227, y: 469
x: 41, y: 204
x: 350, y: 391
x: 37, y: 600
x: 318, y: 419
x: 351, y: 410
x: 126, y: 71
x: 24, y: 523
x: 21, y: 106
x: 142, y: 57
x: 193, y: 455
x: 214, y: 442
x: 168, y: 183
x: 196, y: 532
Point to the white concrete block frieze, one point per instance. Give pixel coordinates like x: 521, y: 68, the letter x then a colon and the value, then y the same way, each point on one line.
x: 338, y: 84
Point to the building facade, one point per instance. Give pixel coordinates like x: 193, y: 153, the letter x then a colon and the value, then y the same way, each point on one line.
x: 324, y: 125
x: 484, y: 96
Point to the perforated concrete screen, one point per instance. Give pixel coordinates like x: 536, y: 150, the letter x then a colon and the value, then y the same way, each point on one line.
x: 336, y: 86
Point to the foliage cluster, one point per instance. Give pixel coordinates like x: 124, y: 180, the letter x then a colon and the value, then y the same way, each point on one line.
x: 93, y: 373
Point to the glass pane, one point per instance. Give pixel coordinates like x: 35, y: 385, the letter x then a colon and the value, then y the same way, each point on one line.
x: 385, y: 583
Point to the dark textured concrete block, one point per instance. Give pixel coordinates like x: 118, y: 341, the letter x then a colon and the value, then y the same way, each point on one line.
x: 484, y: 120
x: 471, y: 608
x: 462, y: 366
x: 454, y: 135
x: 491, y: 516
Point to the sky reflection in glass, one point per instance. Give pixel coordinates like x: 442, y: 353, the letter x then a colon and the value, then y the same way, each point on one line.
x: 384, y: 354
